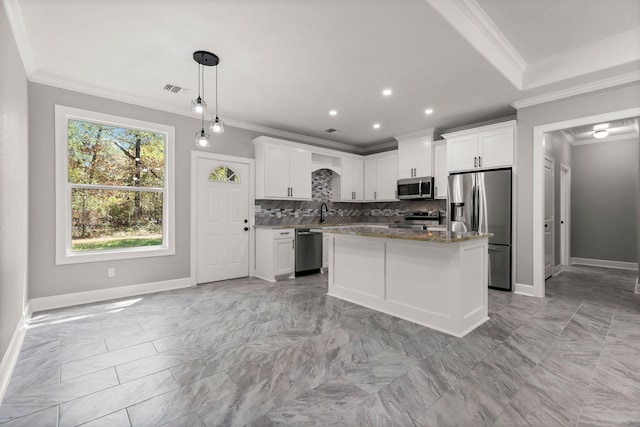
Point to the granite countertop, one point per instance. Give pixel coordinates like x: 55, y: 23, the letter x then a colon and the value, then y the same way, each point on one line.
x: 409, y: 234
x: 325, y: 225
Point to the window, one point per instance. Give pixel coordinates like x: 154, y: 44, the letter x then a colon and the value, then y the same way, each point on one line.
x: 223, y: 174
x: 114, y: 187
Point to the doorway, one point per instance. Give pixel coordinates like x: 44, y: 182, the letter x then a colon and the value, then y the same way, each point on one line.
x: 222, y: 217
x: 565, y: 215
x: 539, y: 184
x: 549, y: 214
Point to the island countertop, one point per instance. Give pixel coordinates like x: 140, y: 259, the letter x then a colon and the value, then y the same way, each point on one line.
x: 407, y: 234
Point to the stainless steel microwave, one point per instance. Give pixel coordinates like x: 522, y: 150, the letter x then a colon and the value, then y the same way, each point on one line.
x: 415, y: 188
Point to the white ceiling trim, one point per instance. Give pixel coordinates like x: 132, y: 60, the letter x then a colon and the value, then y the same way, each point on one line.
x: 102, y: 93
x: 577, y: 90
x: 16, y: 22
x: 414, y: 135
x: 468, y: 18
x: 618, y: 50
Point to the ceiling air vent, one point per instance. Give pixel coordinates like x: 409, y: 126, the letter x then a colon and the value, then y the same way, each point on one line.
x: 174, y: 89
x: 331, y: 130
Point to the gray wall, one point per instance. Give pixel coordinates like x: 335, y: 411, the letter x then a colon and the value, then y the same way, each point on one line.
x: 602, y: 101
x: 604, y: 201
x: 46, y: 278
x: 14, y: 178
x: 559, y: 149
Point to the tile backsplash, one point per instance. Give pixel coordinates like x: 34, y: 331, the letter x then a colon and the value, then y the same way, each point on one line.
x: 289, y: 212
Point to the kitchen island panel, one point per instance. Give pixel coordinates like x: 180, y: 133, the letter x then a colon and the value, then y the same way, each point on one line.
x: 439, y: 285
x: 360, y: 266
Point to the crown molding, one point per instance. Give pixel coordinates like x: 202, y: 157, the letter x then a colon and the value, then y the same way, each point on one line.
x: 608, y: 53
x: 468, y: 18
x: 16, y: 23
x: 379, y: 148
x: 169, y: 108
x: 292, y: 135
x: 417, y: 134
x: 577, y: 90
x: 567, y: 136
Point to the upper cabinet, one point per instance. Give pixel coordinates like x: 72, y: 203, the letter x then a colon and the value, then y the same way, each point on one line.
x: 282, y: 171
x: 381, y: 177
x: 414, y: 157
x: 440, y: 172
x: 484, y: 147
x: 352, y: 180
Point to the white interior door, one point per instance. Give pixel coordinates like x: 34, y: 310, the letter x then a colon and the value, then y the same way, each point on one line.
x: 222, y: 220
x: 548, y: 218
x: 565, y: 214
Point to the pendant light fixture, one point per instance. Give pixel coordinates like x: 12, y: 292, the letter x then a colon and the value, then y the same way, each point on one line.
x: 216, y: 125
x: 198, y: 105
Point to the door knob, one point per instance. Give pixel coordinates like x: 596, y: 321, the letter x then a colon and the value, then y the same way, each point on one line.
x: 246, y: 229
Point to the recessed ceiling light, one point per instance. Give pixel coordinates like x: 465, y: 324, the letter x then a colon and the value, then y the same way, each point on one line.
x: 428, y: 111
x: 601, y: 133
x: 376, y: 125
x: 387, y: 92
x: 333, y: 113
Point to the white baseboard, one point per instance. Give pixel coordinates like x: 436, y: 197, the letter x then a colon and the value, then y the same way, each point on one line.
x: 522, y: 289
x: 557, y: 269
x: 67, y: 300
x: 605, y: 263
x: 13, y: 351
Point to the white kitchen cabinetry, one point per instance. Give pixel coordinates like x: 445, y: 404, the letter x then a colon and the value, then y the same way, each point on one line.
x: 282, y: 171
x: 326, y: 241
x: 484, y: 147
x: 381, y: 176
x: 440, y: 173
x: 352, y: 180
x: 414, y: 157
x: 275, y: 253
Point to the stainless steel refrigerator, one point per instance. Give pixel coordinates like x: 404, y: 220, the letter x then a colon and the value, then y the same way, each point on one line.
x: 481, y: 202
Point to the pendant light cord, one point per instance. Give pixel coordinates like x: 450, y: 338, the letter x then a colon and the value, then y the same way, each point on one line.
x: 216, y: 91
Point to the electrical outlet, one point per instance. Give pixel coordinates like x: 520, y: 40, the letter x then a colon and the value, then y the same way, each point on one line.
x: 111, y: 272
x: 297, y: 214
x: 279, y: 214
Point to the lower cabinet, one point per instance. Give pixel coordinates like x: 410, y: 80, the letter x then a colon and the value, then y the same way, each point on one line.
x: 275, y: 253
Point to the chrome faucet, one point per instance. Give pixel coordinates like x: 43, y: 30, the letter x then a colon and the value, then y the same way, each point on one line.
x: 323, y: 209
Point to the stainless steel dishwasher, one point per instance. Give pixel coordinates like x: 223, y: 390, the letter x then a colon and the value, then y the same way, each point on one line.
x: 308, y: 251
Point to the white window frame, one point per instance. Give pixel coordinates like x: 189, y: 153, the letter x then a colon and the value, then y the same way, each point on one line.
x: 64, y: 252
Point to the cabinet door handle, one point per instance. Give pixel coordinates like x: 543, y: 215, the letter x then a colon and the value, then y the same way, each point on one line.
x: 375, y: 195
x: 475, y: 162
x: 480, y: 161
x: 436, y: 191
x: 293, y: 244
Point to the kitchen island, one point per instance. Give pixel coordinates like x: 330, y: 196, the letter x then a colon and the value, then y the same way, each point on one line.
x: 436, y: 279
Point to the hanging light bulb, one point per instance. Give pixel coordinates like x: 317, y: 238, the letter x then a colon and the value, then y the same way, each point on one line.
x: 202, y: 138
x: 198, y: 105
x: 216, y: 125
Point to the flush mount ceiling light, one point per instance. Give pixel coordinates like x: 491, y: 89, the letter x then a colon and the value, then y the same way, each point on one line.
x: 198, y: 105
x: 600, y: 133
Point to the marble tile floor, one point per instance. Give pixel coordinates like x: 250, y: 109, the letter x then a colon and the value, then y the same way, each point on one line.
x: 249, y: 352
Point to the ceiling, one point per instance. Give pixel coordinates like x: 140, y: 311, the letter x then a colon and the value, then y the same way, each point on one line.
x: 284, y: 64
x: 616, y: 130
